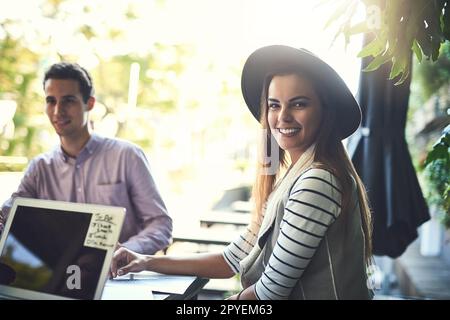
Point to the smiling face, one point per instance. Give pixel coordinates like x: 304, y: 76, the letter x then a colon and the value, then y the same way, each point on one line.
x: 294, y: 113
x: 65, y: 108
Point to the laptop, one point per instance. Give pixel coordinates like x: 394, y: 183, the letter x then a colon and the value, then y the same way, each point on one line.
x: 57, y: 250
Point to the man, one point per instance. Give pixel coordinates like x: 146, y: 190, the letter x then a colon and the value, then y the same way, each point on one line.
x: 88, y: 168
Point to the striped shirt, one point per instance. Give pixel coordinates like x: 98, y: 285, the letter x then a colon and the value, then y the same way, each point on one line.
x: 313, y: 205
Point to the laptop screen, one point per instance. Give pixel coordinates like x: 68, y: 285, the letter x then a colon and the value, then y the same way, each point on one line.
x: 44, y: 251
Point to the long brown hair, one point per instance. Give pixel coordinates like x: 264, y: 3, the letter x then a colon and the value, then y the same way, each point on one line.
x: 330, y: 154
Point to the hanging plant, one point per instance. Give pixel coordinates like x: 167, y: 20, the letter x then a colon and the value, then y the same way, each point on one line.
x: 398, y: 27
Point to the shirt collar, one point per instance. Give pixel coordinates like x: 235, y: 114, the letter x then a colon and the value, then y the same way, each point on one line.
x: 92, y: 144
x: 90, y: 147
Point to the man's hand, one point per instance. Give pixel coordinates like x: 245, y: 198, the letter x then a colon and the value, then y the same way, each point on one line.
x: 125, y: 261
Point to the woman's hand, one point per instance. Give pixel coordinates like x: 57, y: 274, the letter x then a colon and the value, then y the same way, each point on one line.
x: 125, y: 261
x: 245, y: 294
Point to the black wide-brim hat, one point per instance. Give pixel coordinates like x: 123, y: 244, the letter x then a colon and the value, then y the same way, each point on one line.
x: 277, y: 58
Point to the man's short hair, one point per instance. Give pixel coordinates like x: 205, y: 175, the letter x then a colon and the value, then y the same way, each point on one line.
x: 73, y: 71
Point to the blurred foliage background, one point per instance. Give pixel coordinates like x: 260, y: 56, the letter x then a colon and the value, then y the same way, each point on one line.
x: 26, y: 51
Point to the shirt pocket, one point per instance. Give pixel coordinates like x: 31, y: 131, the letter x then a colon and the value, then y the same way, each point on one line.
x: 112, y: 194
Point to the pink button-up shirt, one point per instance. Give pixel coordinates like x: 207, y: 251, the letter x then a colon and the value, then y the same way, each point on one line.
x: 108, y: 172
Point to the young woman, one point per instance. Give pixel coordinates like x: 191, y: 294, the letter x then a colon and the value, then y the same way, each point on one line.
x: 311, y: 233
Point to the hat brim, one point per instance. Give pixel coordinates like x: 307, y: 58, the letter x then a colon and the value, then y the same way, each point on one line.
x: 271, y: 59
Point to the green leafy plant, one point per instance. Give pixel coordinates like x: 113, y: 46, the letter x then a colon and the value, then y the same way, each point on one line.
x: 437, y: 172
x: 432, y: 76
x: 398, y: 27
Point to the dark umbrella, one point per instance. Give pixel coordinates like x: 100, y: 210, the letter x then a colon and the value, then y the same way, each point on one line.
x: 381, y: 157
